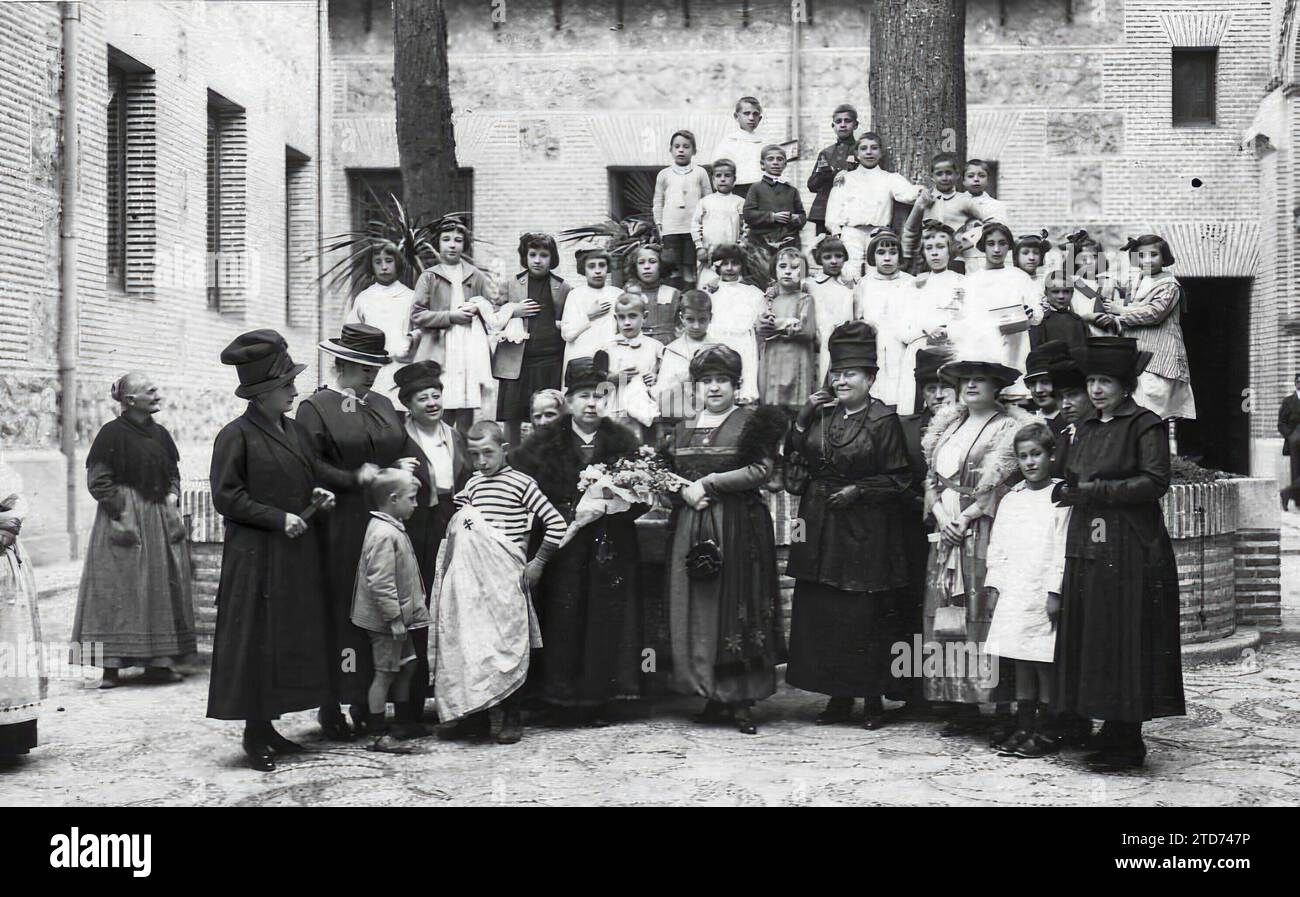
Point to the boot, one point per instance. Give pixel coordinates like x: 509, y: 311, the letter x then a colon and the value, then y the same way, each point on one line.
x: 333, y: 725
x: 1075, y: 731
x: 1004, y: 725
x: 837, y: 712
x: 110, y: 679
x: 873, y: 712
x: 384, y: 741
x: 511, y: 728
x: 408, y: 721
x: 713, y: 712
x: 744, y: 722
x: 1022, y: 731
x: 279, y: 744
x: 256, y: 749
x: 1127, y: 750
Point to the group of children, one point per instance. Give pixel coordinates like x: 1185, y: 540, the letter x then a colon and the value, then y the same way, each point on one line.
x: 955, y: 267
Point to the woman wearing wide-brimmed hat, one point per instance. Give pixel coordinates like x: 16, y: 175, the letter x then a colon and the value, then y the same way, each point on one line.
x: 1118, y: 649
x: 971, y: 459
x: 349, y: 425
x: 851, y: 568
x: 269, y: 652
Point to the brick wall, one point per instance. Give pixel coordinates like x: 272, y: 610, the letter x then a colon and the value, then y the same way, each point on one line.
x: 261, y: 56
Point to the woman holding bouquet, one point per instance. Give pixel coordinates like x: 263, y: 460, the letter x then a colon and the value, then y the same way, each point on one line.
x: 587, y: 599
x: 724, y: 624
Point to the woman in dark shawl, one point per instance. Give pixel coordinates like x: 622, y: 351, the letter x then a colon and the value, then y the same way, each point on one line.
x: 135, y: 584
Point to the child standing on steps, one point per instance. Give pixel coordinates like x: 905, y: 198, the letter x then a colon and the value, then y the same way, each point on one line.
x: 1026, y: 565
x: 837, y: 157
x: 787, y: 333
x: 644, y: 277
x: 717, y: 218
x: 678, y: 190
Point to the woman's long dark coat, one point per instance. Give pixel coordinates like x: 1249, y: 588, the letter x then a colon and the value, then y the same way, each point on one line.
x: 588, y: 599
x: 268, y: 656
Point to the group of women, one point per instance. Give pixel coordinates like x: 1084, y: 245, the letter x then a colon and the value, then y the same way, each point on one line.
x: 874, y: 487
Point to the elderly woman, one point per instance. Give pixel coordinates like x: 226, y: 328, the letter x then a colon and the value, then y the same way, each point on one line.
x: 587, y: 600
x: 1117, y: 649
x: 22, y: 687
x: 349, y: 425
x: 968, y: 449
x: 442, y: 467
x: 269, y: 655
x: 724, y: 621
x: 135, y: 584
x: 850, y: 569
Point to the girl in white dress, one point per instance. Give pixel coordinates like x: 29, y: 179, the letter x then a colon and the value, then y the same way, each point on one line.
x: 386, y: 304
x: 883, y: 298
x: 1026, y: 564
x: 736, y: 307
x: 936, y: 307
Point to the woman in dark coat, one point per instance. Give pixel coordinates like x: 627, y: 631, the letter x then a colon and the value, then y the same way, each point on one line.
x: 268, y: 655
x: 588, y: 599
x: 442, y: 468
x: 725, y: 629
x: 135, y: 584
x: 348, y: 426
x: 851, y: 567
x: 1118, y: 648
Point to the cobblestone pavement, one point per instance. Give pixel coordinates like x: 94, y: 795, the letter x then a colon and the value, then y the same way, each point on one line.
x: 151, y: 745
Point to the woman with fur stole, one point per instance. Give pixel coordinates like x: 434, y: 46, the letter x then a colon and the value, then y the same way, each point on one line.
x: 969, y: 450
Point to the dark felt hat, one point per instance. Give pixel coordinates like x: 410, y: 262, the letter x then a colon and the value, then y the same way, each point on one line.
x: 928, y: 362
x: 261, y: 358
x: 716, y: 360
x: 586, y: 373
x: 853, y: 345
x: 416, y: 377
x: 1114, y: 356
x: 1068, y: 374
x: 1041, y: 360
x: 359, y: 344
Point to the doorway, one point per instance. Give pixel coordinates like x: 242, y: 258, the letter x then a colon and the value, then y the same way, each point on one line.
x: 1216, y: 328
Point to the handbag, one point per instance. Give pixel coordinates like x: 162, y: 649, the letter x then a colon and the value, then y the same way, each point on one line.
x: 795, y: 473
x: 704, y: 558
x: 950, y: 622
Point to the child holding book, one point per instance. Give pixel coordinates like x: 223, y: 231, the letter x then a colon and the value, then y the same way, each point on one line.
x: 678, y: 190
x: 388, y: 600
x: 717, y: 218
x: 787, y: 332
x: 1002, y: 298
x: 485, y: 625
x: 1026, y: 566
x: 837, y: 157
x: 863, y: 198
x: 386, y: 304
x: 453, y: 319
x: 644, y: 277
x: 588, y: 322
x: 736, y: 307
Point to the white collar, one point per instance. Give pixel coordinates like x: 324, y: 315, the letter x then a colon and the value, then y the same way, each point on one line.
x: 438, y: 435
x: 677, y: 169
x: 587, y: 438
x: 387, y: 518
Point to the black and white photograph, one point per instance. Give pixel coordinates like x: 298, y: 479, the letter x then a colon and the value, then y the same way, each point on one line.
x: 752, y: 403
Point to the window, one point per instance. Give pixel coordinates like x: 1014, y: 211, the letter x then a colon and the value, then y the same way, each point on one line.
x: 372, y: 190
x: 130, y: 183
x: 227, y: 212
x: 632, y: 191
x: 299, y: 239
x: 1193, y: 85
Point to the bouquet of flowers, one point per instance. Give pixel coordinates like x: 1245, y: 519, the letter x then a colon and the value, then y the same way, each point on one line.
x: 614, y: 488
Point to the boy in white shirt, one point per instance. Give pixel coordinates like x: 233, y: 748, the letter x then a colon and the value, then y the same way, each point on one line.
x: 716, y: 221
x: 588, y: 320
x: 673, y: 389
x: 863, y: 200
x: 743, y: 145
x: 634, y: 362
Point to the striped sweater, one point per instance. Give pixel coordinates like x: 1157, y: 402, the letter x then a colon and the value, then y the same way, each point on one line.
x: 510, y: 500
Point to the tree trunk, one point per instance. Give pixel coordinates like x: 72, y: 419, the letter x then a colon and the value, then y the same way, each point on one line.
x: 426, y: 141
x: 918, y: 81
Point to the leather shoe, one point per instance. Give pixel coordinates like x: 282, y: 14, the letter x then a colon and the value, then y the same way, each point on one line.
x: 745, y: 723
x: 334, y: 727
x: 838, y: 711
x: 281, y: 745
x: 259, y: 755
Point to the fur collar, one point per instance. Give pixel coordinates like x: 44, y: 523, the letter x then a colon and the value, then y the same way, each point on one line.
x: 551, y: 456
x: 999, y: 461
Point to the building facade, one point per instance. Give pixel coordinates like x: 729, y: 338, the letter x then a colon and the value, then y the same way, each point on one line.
x: 219, y: 143
x: 197, y: 216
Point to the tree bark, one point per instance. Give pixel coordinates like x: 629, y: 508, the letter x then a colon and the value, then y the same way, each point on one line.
x: 917, y: 81
x: 426, y: 140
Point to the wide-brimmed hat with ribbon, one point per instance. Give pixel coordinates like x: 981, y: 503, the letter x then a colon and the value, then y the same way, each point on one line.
x: 261, y: 358
x: 979, y: 357
x: 359, y: 344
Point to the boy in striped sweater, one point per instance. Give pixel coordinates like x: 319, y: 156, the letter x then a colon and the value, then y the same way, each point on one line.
x: 485, y: 626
